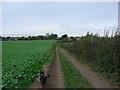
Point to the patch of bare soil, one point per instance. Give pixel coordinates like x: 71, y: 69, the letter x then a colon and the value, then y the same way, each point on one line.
x: 96, y: 80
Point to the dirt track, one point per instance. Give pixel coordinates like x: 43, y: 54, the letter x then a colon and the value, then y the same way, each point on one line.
x: 56, y: 79
x: 96, y: 80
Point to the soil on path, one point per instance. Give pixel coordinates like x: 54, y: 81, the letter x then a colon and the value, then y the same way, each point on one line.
x: 37, y: 83
x: 56, y: 79
x: 97, y: 81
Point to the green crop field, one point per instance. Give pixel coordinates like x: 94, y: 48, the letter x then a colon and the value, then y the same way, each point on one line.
x: 22, y: 60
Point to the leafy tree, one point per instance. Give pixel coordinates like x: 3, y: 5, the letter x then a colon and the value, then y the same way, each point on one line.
x: 53, y: 36
x: 29, y: 37
x: 8, y: 38
x: 64, y: 36
x: 40, y: 37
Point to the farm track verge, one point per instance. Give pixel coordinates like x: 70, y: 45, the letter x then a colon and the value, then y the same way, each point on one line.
x: 96, y: 80
x: 56, y: 79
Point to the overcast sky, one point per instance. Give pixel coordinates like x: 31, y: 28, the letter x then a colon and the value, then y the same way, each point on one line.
x: 73, y: 18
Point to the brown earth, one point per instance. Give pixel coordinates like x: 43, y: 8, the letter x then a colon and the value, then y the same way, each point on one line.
x: 37, y: 83
x: 96, y: 80
x: 56, y: 79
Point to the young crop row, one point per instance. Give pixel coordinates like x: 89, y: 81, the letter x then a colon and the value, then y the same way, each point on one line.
x: 22, y: 60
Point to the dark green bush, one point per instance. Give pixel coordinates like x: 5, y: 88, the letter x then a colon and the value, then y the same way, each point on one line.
x: 103, y: 52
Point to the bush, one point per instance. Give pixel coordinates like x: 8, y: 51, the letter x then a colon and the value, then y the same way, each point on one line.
x: 103, y: 52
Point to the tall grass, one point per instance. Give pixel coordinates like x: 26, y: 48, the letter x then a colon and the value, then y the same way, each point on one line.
x: 102, y: 52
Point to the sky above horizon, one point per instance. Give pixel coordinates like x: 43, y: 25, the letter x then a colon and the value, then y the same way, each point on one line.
x: 73, y: 18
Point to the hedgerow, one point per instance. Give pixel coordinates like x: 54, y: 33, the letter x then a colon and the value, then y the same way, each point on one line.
x: 102, y: 52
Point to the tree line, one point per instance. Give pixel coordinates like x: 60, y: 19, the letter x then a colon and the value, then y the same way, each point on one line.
x: 39, y: 37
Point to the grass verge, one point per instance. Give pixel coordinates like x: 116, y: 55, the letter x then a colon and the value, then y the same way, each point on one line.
x: 96, y: 69
x: 72, y: 77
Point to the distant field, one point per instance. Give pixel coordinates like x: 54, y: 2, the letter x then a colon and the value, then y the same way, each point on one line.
x: 21, y: 60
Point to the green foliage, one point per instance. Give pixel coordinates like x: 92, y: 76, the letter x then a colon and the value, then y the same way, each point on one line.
x: 53, y: 36
x: 22, y: 60
x: 64, y: 36
x: 102, y: 52
x: 72, y: 77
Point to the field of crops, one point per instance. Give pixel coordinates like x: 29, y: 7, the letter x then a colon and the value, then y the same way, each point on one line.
x: 22, y: 60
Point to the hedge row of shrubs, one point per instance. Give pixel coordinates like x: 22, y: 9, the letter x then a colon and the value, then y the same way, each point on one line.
x: 102, y: 52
